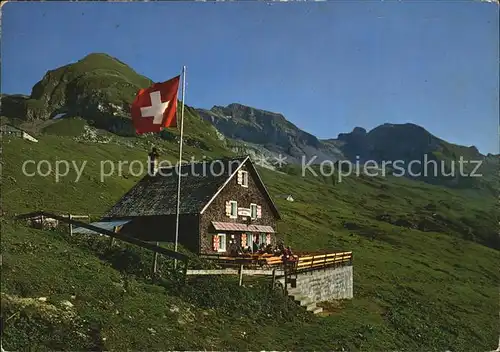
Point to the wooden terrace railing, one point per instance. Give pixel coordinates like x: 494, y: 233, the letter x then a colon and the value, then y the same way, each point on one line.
x: 320, y: 261
x: 250, y: 260
x: 299, y: 263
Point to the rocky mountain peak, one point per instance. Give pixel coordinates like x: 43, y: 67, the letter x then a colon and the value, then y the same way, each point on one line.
x: 359, y: 131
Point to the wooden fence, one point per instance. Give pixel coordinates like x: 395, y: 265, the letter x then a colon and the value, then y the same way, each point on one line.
x: 320, y: 261
x: 299, y: 263
x: 251, y: 261
x: 46, y: 222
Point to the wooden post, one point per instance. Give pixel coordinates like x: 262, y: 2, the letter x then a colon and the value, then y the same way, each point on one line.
x: 286, y: 272
x: 70, y: 226
x: 241, y: 274
x: 112, y: 239
x: 155, y: 259
x: 155, y: 262
x: 273, y: 279
x: 184, y: 272
x: 285, y: 288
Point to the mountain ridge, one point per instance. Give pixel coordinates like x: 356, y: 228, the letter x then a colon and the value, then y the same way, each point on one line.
x: 100, y: 88
x: 214, y: 113
x: 271, y: 134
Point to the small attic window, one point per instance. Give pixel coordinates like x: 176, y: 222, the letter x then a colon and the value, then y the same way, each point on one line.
x: 243, y: 178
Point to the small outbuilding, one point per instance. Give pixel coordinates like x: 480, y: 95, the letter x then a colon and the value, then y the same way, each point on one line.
x: 9, y: 130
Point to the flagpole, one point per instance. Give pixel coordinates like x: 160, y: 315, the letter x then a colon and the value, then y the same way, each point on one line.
x: 180, y: 163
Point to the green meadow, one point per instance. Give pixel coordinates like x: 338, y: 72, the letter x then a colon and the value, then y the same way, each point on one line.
x: 425, y: 262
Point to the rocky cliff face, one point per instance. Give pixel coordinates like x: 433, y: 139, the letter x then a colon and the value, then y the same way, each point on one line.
x: 271, y: 132
x: 267, y: 134
x: 404, y: 142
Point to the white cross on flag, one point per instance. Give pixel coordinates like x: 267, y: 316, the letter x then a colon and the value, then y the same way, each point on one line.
x: 155, y: 108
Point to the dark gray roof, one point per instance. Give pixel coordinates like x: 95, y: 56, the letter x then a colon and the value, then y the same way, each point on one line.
x: 106, y: 225
x: 9, y: 128
x: 157, y: 195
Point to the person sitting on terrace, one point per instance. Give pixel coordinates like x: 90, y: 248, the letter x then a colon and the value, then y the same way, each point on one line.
x: 280, y: 250
x: 262, y: 248
x: 288, y: 254
x: 256, y: 245
x: 233, y: 248
x: 269, y: 249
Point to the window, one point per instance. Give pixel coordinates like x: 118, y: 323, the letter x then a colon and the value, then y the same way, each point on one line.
x: 243, y: 178
x: 253, y: 211
x: 250, y: 241
x: 234, y: 209
x: 222, y: 242
x: 262, y: 239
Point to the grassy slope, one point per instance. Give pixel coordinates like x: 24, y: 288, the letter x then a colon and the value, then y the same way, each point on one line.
x: 414, y: 290
x: 115, y: 311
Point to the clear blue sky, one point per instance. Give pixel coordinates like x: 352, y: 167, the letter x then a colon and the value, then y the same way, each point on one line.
x: 327, y: 66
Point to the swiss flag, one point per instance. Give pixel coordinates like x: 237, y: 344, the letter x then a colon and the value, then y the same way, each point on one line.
x: 155, y: 108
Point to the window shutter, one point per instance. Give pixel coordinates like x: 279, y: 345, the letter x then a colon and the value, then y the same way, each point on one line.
x: 250, y: 239
x: 222, y: 242
x: 243, y: 240
x: 262, y: 238
x: 216, y: 242
x: 240, y: 178
x: 228, y: 208
x: 259, y: 211
x: 268, y: 238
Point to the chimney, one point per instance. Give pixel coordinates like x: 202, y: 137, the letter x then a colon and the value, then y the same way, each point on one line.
x: 153, y: 162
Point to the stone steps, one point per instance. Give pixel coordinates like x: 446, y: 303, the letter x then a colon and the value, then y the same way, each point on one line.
x: 317, y: 310
x: 295, y: 291
x: 321, y: 285
x: 311, y: 307
x: 304, y: 301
